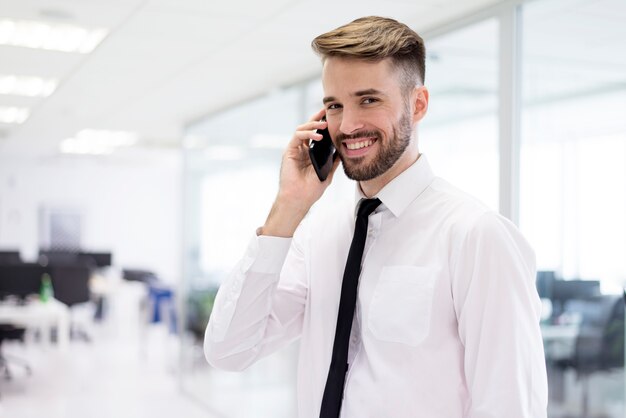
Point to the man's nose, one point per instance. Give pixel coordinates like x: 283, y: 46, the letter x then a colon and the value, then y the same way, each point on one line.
x: 350, y: 121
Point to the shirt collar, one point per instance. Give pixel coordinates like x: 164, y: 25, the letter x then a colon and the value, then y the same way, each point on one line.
x: 398, y: 194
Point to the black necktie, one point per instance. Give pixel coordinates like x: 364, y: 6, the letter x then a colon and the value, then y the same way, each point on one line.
x: 333, y: 392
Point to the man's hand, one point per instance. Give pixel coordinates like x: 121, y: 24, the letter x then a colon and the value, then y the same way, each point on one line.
x: 299, y: 186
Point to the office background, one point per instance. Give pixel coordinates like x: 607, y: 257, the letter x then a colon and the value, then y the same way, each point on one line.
x: 526, y: 113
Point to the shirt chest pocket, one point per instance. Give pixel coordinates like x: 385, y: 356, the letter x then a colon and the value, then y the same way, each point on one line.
x: 401, y: 304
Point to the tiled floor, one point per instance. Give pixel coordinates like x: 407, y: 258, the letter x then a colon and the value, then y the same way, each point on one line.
x: 124, y: 372
x: 103, y: 379
x: 265, y: 390
x: 132, y: 370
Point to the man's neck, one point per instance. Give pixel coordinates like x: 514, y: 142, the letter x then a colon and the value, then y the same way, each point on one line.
x: 370, y: 188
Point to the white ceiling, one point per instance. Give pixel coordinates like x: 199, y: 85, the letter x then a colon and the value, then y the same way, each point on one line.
x: 168, y: 62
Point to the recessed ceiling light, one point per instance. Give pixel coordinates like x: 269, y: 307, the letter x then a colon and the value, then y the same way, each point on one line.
x: 93, y: 141
x: 53, y: 37
x: 56, y: 14
x: 27, y: 86
x: 13, y: 114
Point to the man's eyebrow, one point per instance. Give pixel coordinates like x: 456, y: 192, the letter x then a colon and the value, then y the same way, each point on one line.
x: 359, y: 93
x: 367, y: 92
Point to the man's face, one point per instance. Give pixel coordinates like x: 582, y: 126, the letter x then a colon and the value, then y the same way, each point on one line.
x: 368, y: 117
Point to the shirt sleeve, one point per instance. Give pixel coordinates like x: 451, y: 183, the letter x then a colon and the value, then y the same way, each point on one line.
x: 260, y: 306
x: 498, y: 312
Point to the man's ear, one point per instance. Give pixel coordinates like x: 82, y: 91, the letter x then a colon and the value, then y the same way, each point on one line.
x: 420, y: 103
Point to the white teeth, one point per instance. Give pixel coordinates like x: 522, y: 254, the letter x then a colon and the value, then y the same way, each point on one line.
x: 359, y: 145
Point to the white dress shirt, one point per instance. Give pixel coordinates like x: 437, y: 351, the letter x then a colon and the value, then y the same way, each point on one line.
x: 447, y: 317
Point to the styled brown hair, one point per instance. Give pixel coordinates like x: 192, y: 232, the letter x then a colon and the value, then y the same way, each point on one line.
x: 373, y: 39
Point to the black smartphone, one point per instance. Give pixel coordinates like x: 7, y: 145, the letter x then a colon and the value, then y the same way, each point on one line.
x: 321, y: 153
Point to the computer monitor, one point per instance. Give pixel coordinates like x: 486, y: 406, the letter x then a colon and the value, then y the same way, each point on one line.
x: 10, y: 257
x: 20, y: 280
x: 47, y: 257
x: 565, y: 290
x: 99, y: 259
x: 545, y: 283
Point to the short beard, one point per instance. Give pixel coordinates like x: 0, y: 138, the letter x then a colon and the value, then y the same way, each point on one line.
x: 387, y: 156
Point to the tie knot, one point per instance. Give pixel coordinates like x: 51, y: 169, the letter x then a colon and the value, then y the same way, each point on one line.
x: 367, y: 207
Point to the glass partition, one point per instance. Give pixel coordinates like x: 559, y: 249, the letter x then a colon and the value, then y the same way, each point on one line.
x: 231, y: 178
x: 460, y: 131
x: 573, y: 195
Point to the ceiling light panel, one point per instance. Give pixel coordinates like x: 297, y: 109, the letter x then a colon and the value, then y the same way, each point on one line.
x: 97, y: 142
x: 10, y: 114
x: 27, y: 86
x: 57, y: 37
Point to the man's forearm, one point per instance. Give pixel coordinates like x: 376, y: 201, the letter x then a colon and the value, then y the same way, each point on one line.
x: 243, y: 305
x: 284, y: 218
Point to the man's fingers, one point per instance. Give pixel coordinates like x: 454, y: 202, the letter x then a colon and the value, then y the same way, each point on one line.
x: 312, y: 125
x: 306, y: 135
x: 319, y: 115
x: 299, y: 137
x: 307, y: 131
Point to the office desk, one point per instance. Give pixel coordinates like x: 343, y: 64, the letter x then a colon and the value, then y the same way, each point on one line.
x: 42, y: 316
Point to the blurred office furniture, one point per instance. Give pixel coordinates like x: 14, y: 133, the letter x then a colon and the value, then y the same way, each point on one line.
x: 158, y: 303
x: 136, y: 275
x: 70, y: 283
x: 161, y: 305
x: 599, y: 345
x: 17, y: 281
x: 10, y: 257
x: 564, y: 291
x: 97, y: 259
x: 43, y: 317
x: 48, y: 257
x: 199, y: 306
x: 545, y: 283
x: 11, y: 332
x: 20, y: 280
x: 102, y: 259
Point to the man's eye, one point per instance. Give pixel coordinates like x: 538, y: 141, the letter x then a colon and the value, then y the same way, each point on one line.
x: 333, y: 106
x: 369, y: 100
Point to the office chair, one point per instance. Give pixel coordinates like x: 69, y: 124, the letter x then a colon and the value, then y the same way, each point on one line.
x: 70, y: 283
x: 10, y: 332
x: 17, y: 281
x: 160, y: 297
x: 599, y: 345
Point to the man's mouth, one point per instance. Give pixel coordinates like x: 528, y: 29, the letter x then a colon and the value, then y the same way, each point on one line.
x: 362, y: 144
x: 358, y: 147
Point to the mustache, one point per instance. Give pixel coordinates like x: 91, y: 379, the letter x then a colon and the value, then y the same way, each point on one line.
x: 361, y: 134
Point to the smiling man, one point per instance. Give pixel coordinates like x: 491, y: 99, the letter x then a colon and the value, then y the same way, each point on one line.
x: 412, y: 300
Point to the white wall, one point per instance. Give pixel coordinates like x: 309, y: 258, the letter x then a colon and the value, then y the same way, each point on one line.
x: 131, y: 205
